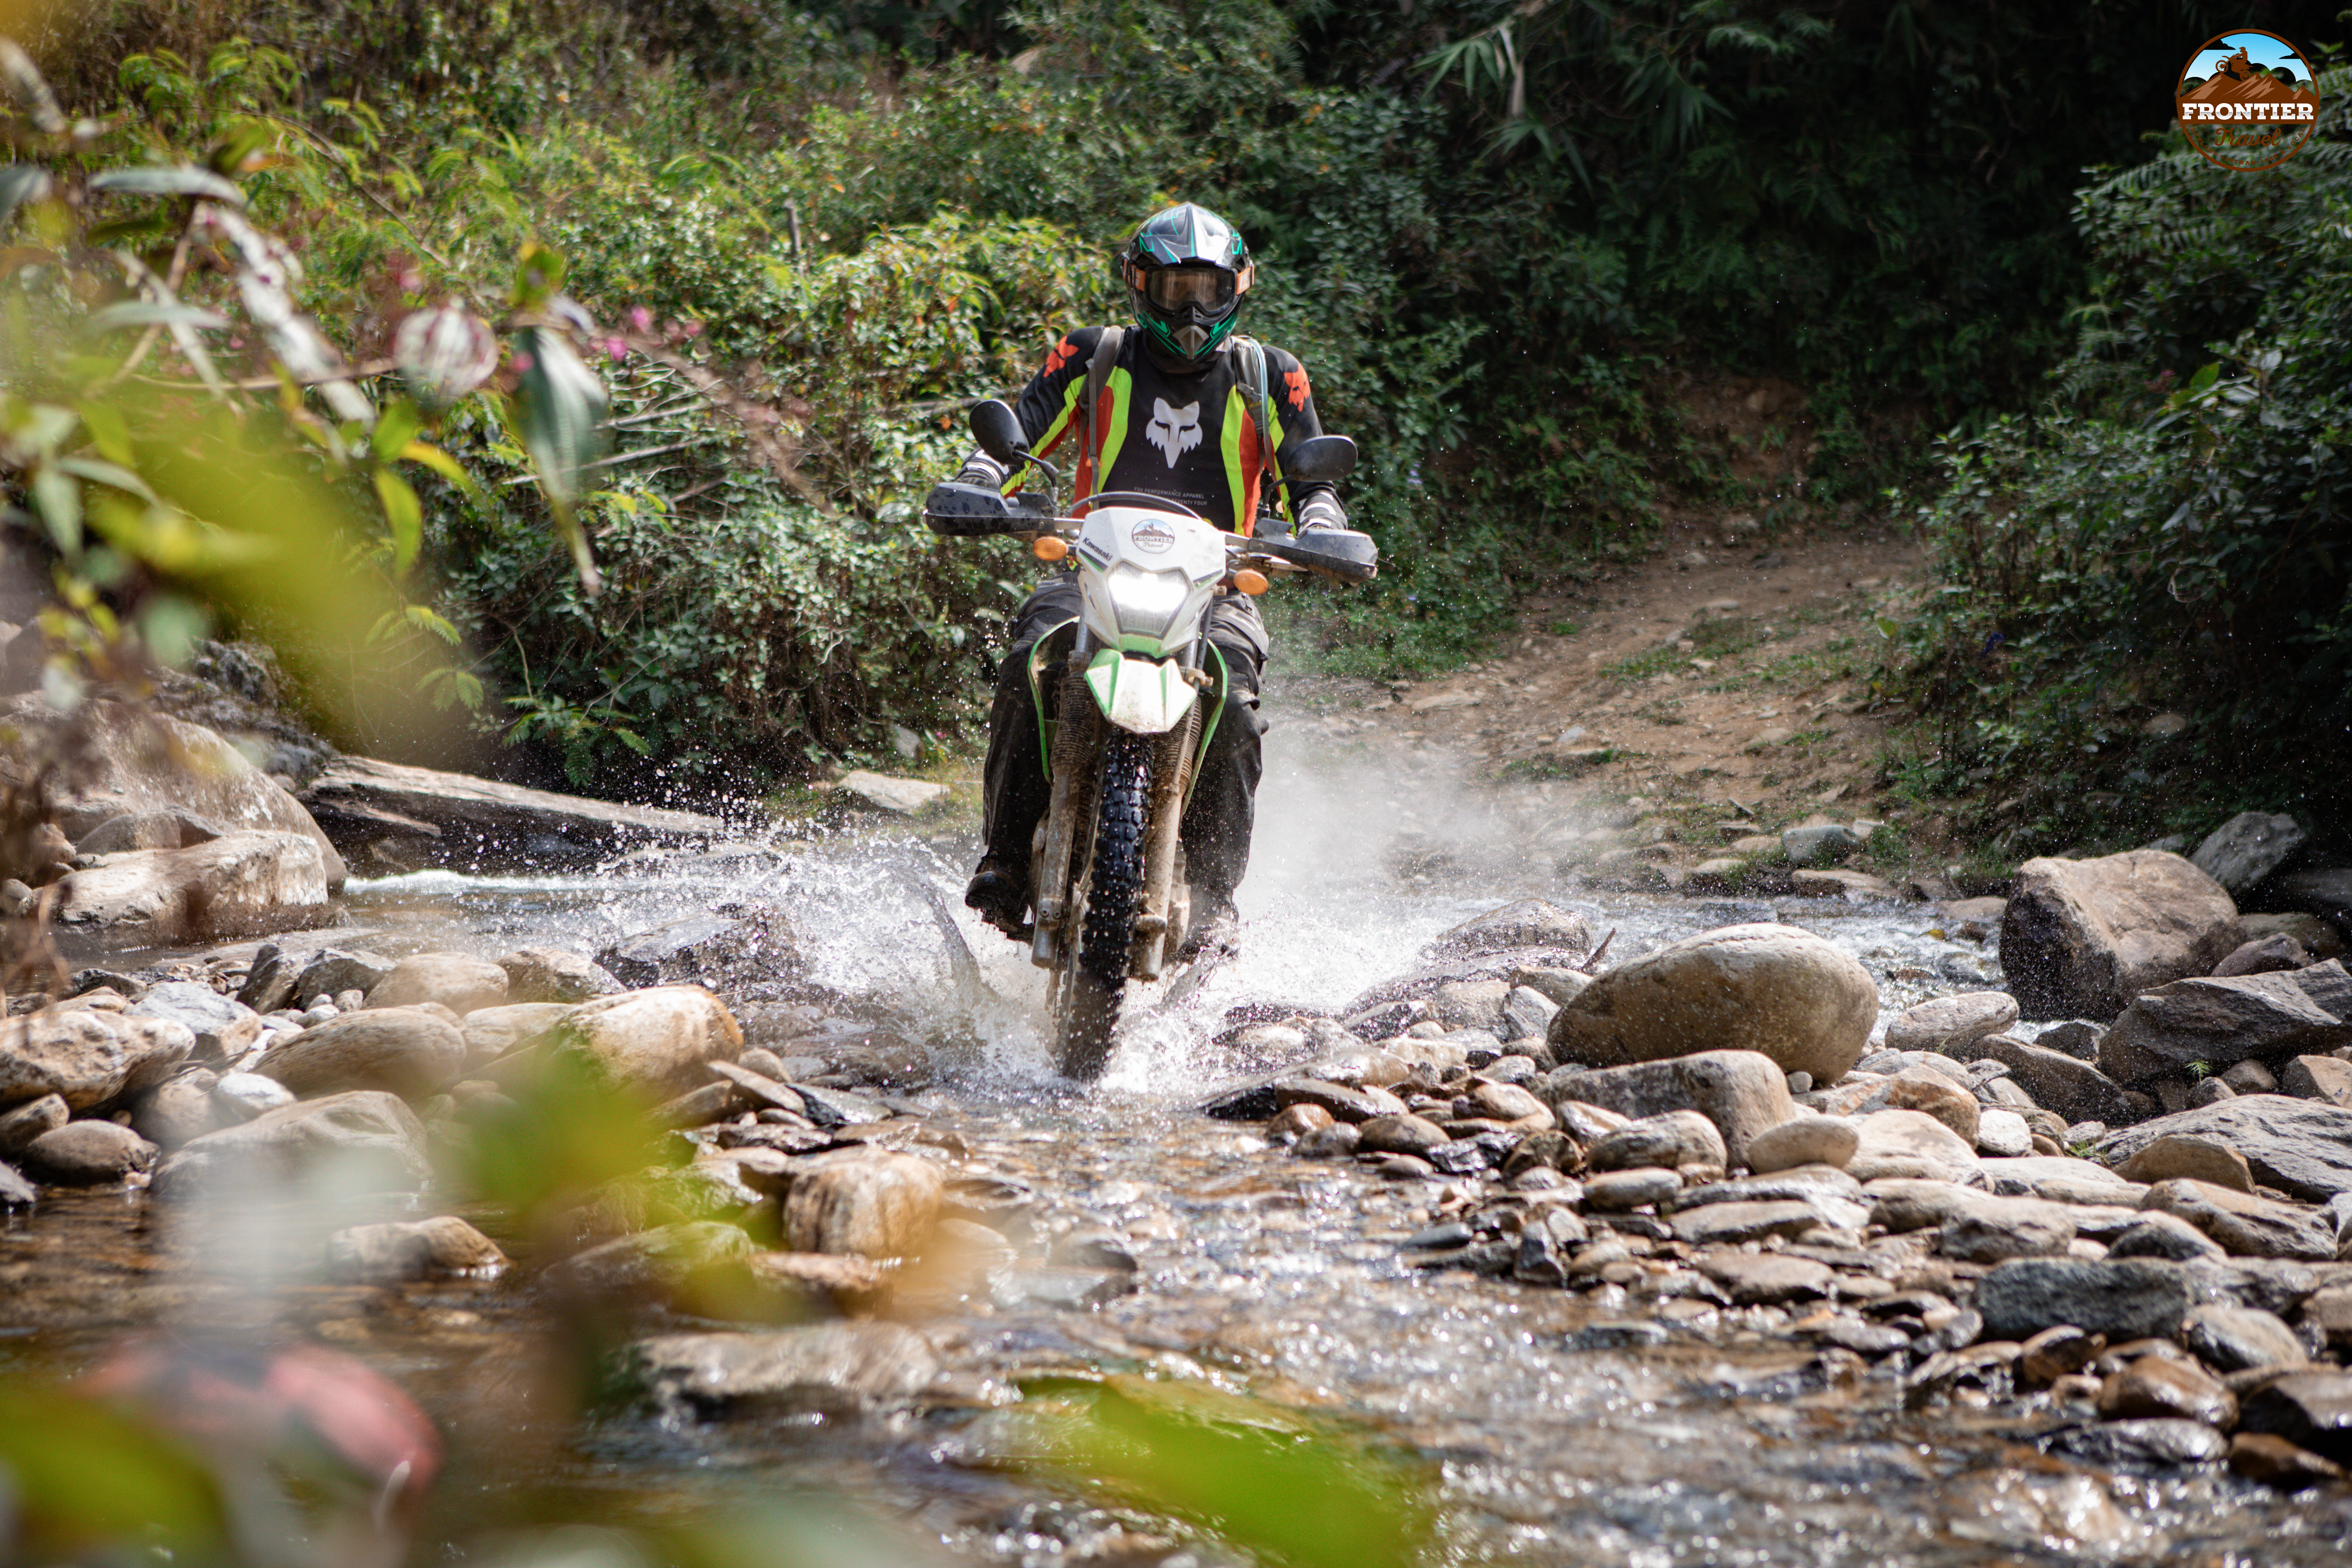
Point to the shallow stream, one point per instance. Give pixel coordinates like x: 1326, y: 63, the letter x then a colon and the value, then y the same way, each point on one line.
x: 1553, y: 1428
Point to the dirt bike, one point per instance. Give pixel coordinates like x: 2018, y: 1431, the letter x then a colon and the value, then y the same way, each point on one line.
x: 1129, y: 696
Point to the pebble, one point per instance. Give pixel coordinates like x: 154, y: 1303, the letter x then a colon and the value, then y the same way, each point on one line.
x: 1631, y: 1189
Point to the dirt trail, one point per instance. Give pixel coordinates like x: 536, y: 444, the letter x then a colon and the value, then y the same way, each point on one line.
x: 1735, y: 679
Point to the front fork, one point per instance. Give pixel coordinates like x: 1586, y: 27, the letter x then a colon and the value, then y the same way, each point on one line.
x: 1071, y: 746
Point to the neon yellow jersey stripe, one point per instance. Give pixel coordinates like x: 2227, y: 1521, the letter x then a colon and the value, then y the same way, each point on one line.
x: 1237, y: 478
x: 1053, y: 432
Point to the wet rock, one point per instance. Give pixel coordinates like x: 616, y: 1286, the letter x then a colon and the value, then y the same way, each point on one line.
x: 2076, y: 1090
x: 1617, y: 1191
x: 1800, y: 1000
x: 2218, y: 1022
x: 405, y: 1051
x: 1951, y: 1022
x: 86, y: 1056
x: 2274, y: 1462
x: 492, y: 1032
x: 365, y: 1140
x: 87, y: 1154
x: 2243, y: 1225
x: 1728, y: 1225
x: 834, y: 1370
x: 241, y: 1096
x: 2192, y: 1155
x: 2056, y: 1353
x: 1294, y: 1121
x: 657, y: 1040
x: 1984, y: 1229
x: 1756, y: 1279
x: 1854, y: 887
x: 15, y: 1192
x: 1399, y: 1134
x: 2233, y: 1339
x: 2003, y: 1134
x: 238, y: 885
x: 2301, y: 1147
x: 1344, y: 1104
x: 2249, y: 1078
x: 1557, y: 986
x: 2162, y: 1235
x: 2325, y: 1078
x: 867, y: 791
x: 2249, y: 849
x: 470, y: 824
x: 2133, y: 1299
x: 710, y: 948
x: 1933, y: 1094
x: 1802, y: 1183
x: 2311, y: 1410
x: 456, y: 981
x: 1909, y: 1143
x: 2153, y: 1443
x: 1527, y: 1014
x: 1670, y: 1141
x: 1805, y: 1141
x: 1508, y: 1103
x: 147, y: 830
x: 179, y: 1110
x: 2264, y: 956
x: 1403, y: 1168
x: 413, y: 1249
x: 1822, y: 845
x: 1529, y: 923
x: 223, y: 1027
x: 332, y: 971
x: 1742, y: 1092
x: 864, y: 1203
x: 694, y: 1262
x: 29, y: 1120
x: 2082, y: 938
x: 555, y: 975
x: 1470, y: 1004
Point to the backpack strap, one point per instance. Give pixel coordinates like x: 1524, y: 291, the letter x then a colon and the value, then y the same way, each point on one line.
x: 1252, y: 378
x: 1098, y: 372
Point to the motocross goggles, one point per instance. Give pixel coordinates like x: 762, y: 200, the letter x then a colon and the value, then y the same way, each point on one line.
x: 1176, y: 288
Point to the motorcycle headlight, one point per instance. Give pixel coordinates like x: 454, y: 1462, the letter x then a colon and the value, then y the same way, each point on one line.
x: 1146, y: 602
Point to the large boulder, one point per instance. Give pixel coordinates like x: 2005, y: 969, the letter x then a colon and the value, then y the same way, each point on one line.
x: 458, y: 982
x: 2301, y: 1147
x: 87, y: 1057
x: 471, y: 824
x: 2222, y: 1021
x: 223, y: 1026
x: 2073, y: 1088
x: 555, y: 975
x: 88, y: 1153
x: 1950, y: 1023
x: 364, y: 1139
x: 2244, y: 1225
x: 1794, y: 997
x: 1909, y: 1143
x: 406, y: 1051
x: 239, y: 884
x: 1742, y: 1092
x: 2082, y: 938
x: 2139, y: 1298
x: 864, y: 1203
x: 129, y: 762
x: 2249, y: 849
x: 656, y: 1040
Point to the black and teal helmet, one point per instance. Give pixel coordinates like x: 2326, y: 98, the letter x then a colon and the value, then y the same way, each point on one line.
x: 1188, y: 268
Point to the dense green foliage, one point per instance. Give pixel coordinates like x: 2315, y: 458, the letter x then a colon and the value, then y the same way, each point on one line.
x: 2169, y: 535
x: 1499, y: 234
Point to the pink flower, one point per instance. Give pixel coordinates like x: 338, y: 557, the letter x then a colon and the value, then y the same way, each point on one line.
x: 641, y: 319
x: 617, y: 348
x: 694, y: 329
x: 520, y: 363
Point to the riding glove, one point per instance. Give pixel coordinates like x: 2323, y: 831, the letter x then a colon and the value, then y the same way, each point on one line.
x: 1321, y: 509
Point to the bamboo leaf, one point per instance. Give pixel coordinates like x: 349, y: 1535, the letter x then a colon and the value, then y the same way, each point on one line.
x: 405, y: 516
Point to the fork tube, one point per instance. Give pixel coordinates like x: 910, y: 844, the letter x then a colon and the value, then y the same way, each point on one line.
x: 1171, y: 770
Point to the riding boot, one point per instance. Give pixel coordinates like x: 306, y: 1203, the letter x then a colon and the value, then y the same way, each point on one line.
x: 1013, y: 791
x: 1219, y: 818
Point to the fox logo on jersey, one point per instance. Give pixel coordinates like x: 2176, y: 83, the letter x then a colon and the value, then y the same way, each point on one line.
x: 1175, y: 431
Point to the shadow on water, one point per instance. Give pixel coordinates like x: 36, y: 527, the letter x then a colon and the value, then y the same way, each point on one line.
x: 1556, y: 1431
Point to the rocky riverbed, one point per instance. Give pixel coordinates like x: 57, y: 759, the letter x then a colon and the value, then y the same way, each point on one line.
x: 1783, y: 1230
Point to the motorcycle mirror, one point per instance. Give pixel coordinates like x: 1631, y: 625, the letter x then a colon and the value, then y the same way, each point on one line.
x: 998, y: 430
x: 1321, y: 460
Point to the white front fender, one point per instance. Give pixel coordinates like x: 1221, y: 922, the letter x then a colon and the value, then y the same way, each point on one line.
x: 1140, y: 695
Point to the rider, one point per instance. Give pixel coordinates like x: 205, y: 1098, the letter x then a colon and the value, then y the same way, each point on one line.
x: 1179, y: 419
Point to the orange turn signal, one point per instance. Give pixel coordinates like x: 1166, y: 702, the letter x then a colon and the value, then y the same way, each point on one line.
x: 1249, y: 581
x: 1050, y: 547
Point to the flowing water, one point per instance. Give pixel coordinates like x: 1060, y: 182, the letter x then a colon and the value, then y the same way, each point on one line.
x: 1551, y: 1429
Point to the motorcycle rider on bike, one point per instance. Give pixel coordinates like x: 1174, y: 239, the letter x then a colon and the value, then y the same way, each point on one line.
x: 1178, y: 407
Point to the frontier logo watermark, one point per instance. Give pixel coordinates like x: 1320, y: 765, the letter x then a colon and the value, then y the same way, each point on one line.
x: 2247, y: 101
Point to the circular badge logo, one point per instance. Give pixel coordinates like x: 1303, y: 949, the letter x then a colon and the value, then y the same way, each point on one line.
x: 2247, y: 101
x: 1152, y: 538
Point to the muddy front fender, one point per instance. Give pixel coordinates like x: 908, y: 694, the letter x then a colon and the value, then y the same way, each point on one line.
x: 1142, y: 696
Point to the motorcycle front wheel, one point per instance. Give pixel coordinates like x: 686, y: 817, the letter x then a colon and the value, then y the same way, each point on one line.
x: 1094, y: 972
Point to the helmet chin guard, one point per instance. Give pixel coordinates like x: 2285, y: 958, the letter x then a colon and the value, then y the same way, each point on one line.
x: 1187, y: 268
